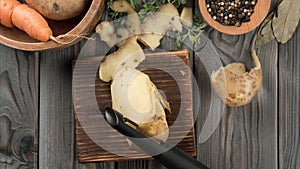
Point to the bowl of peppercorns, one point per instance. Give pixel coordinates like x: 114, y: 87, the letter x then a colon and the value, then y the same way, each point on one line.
x: 234, y: 16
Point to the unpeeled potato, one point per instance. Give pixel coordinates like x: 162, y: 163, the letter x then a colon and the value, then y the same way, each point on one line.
x: 58, y: 9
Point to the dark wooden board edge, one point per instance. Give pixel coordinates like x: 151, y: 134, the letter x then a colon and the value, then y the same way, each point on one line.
x: 185, y: 57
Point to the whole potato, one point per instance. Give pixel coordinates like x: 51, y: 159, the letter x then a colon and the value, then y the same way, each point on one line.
x: 58, y: 9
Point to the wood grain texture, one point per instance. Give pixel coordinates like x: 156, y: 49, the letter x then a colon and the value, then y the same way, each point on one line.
x: 247, y: 136
x: 91, y: 130
x: 56, y: 110
x: 57, y: 122
x: 18, y: 105
x: 289, y: 103
x: 99, y: 165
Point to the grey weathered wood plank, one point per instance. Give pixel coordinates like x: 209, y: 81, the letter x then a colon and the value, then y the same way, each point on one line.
x: 246, y: 136
x: 57, y: 146
x: 100, y: 165
x: 18, y: 105
x: 289, y: 103
x: 139, y: 164
x: 56, y: 142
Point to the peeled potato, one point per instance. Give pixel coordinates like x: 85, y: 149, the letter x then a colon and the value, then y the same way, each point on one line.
x: 58, y: 9
x: 137, y: 98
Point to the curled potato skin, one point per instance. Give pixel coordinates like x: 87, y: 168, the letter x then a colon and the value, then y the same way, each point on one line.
x: 234, y: 85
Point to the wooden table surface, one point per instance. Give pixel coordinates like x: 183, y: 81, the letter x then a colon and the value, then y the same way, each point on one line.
x: 37, y: 116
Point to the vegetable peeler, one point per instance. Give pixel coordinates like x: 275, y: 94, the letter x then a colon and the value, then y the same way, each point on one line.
x: 170, y: 157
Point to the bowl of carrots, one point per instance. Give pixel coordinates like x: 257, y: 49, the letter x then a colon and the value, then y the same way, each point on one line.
x: 23, y: 28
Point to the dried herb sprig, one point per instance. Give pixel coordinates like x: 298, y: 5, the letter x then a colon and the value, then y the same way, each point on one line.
x: 193, y: 33
x: 149, y: 7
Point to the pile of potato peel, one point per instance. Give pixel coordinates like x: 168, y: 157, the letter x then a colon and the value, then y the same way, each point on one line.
x: 150, y: 31
x: 133, y: 94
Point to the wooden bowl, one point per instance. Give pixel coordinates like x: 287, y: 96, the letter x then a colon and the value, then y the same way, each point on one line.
x: 261, y: 10
x: 80, y: 25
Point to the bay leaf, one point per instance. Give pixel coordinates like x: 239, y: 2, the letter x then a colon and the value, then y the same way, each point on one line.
x: 265, y: 33
x: 286, y: 22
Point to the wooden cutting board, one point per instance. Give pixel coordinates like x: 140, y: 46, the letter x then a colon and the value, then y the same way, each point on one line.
x: 163, y: 68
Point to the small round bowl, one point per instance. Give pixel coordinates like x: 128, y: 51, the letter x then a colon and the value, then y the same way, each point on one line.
x: 75, y: 28
x: 261, y: 10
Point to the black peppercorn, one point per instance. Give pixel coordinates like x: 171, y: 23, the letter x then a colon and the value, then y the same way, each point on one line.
x: 231, y: 12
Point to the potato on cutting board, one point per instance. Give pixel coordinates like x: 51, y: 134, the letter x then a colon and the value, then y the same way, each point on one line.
x: 58, y: 9
x: 137, y: 98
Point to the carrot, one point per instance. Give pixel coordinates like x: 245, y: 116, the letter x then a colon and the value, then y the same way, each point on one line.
x: 30, y: 21
x: 6, y: 9
x: 13, y: 13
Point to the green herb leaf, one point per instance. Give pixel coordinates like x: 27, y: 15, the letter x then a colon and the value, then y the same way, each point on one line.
x: 149, y: 7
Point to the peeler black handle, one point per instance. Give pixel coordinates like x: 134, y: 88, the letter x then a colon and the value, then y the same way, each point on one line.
x: 175, y: 158
x: 172, y: 157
